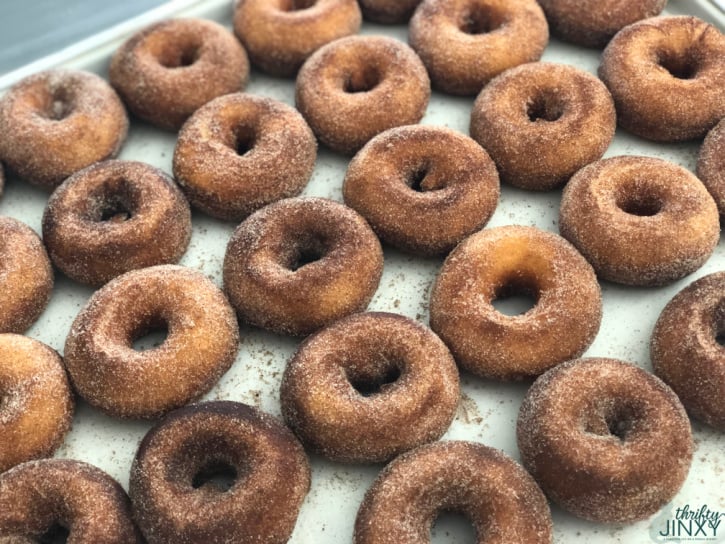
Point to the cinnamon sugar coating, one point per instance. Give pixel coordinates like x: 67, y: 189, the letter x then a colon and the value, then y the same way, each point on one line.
x: 240, y: 152
x: 422, y: 189
x: 369, y: 387
x: 171, y: 68
x: 466, y: 43
x: 388, y: 11
x: 639, y: 220
x: 357, y: 87
x: 711, y: 165
x: 687, y: 348
x: 172, y: 499
x: 201, y: 344
x: 281, y: 34
x: 300, y: 264
x: 504, y: 261
x: 494, y: 492
x: 113, y: 217
x: 541, y: 122
x: 666, y: 75
x: 55, y: 123
x: 605, y: 440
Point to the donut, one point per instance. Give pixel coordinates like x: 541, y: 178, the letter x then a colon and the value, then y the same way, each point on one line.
x: 666, y: 77
x: 26, y: 276
x: 357, y: 87
x: 57, y: 122
x: 687, y: 348
x: 176, y: 499
x: 388, y: 11
x: 36, y: 406
x: 494, y: 492
x: 541, y: 122
x: 240, y: 152
x: 605, y: 440
x: 369, y: 387
x: 113, y: 217
x: 515, y: 260
x: 639, y: 220
x: 169, y: 69
x: 201, y: 343
x: 711, y: 165
x: 466, y: 43
x: 422, y: 189
x: 281, y: 34
x: 300, y: 264
x: 59, y: 500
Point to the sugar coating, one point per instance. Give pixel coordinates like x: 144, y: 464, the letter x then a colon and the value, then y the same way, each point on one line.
x: 388, y: 11
x: 711, y: 165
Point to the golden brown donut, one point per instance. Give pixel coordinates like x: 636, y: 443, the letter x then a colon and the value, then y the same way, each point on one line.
x: 169, y: 69
x: 687, y: 348
x: 36, y: 406
x: 26, y: 276
x: 639, y: 220
x: 113, y: 217
x: 466, y: 43
x: 240, y: 152
x: 514, y: 260
x: 300, y: 264
x: 541, y: 122
x: 666, y: 76
x: 172, y: 487
x: 201, y: 344
x: 711, y: 165
x: 357, y: 87
x: 494, y: 492
x: 57, y: 122
x: 388, y: 11
x: 605, y: 440
x: 281, y: 34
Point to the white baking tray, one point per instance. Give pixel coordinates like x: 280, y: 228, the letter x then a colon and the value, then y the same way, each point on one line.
x: 488, y: 410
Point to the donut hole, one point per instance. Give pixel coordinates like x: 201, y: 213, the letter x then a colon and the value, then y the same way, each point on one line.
x: 544, y: 107
x: 419, y: 180
x: 244, y: 139
x: 305, y: 250
x: 297, y: 5
x: 181, y: 56
x: 362, y: 81
x: 615, y: 419
x: 59, y: 105
x: 479, y: 19
x: 452, y: 527
x: 639, y: 203
x: 516, y: 296
x: 679, y: 65
x: 114, y: 202
x: 150, y: 334
x: 719, y: 327
x: 216, y: 475
x: 56, y: 534
x: 374, y: 379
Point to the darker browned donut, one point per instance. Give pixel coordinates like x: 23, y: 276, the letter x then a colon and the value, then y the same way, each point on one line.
x: 388, y: 11
x: 711, y: 165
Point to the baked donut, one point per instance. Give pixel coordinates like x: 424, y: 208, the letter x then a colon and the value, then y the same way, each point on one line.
x: 300, y: 264
x: 169, y: 69
x: 711, y: 165
x: 422, y: 189
x: 687, y: 348
x: 541, y: 122
x: 515, y: 260
x: 36, y: 406
x: 240, y: 152
x: 201, y: 344
x: 639, y: 220
x: 605, y: 440
x: 388, y: 11
x: 280, y: 34
x: 466, y: 43
x: 59, y: 500
x: 172, y: 487
x: 57, y: 122
x: 26, y: 276
x: 113, y: 217
x: 666, y: 77
x: 357, y: 87
x: 494, y: 492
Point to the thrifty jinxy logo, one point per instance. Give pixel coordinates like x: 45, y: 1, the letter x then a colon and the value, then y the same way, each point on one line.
x: 687, y: 524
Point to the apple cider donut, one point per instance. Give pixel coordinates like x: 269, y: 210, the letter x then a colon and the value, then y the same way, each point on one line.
x: 388, y: 11
x: 711, y: 165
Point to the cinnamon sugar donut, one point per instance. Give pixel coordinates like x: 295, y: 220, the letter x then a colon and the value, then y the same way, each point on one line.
x: 113, y: 217
x: 639, y: 220
x: 240, y: 152
x: 201, y: 344
x: 666, y: 76
x: 169, y: 69
x: 466, y: 43
x: 280, y: 34
x: 357, y: 87
x: 605, y: 440
x: 388, y: 11
x: 541, y: 122
x: 687, y: 348
x: 57, y: 122
x: 514, y: 260
x: 175, y: 498
x: 495, y: 493
x: 26, y: 276
x: 711, y: 165
x: 300, y: 264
